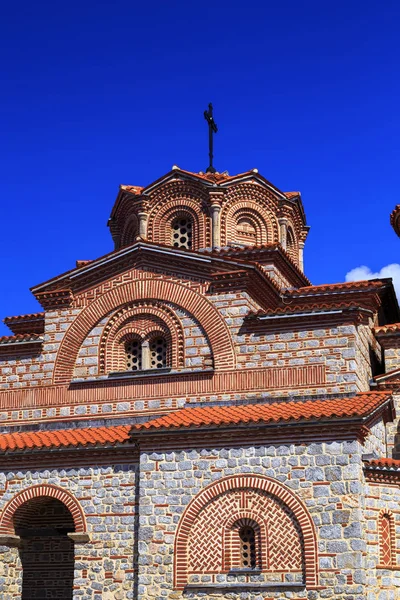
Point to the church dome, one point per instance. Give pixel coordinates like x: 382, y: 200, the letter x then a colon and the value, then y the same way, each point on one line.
x: 194, y: 211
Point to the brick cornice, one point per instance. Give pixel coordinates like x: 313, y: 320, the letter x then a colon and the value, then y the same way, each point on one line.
x: 162, y: 387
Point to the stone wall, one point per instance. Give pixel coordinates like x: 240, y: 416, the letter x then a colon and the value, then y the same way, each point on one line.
x: 104, y: 565
x: 383, y: 581
x: 326, y: 477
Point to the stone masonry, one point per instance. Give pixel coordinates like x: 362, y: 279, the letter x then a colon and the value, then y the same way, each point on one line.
x: 190, y: 418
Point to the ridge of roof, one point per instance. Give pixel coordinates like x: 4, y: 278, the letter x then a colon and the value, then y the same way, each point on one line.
x: 361, y: 405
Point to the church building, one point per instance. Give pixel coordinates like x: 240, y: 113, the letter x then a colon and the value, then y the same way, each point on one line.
x: 190, y: 418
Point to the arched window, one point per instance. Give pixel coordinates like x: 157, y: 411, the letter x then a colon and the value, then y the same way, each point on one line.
x: 248, y: 558
x: 182, y: 232
x: 387, y: 556
x: 158, y: 353
x: 133, y: 352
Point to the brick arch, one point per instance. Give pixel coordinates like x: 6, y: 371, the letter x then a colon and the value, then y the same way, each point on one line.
x: 251, y: 482
x: 197, y: 305
x: 248, y: 211
x: 40, y: 491
x: 123, y: 321
x: 256, y: 199
x: 161, y: 218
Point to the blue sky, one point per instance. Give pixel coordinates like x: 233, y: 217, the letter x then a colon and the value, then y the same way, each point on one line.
x: 96, y: 94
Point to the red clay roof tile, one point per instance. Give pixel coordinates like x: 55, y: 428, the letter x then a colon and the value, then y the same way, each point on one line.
x: 391, y: 328
x: 21, y: 338
x: 388, y: 463
x: 360, y: 405
x: 64, y: 438
x: 29, y: 317
x: 338, y: 287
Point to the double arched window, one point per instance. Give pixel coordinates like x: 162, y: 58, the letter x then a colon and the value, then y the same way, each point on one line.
x: 147, y: 353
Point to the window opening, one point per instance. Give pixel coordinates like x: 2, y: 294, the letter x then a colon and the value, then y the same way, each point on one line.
x: 158, y: 353
x: 247, y: 547
x: 182, y: 232
x: 133, y: 350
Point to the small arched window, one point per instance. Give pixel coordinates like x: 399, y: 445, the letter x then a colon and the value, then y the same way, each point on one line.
x: 386, y: 540
x: 133, y: 352
x: 248, y: 558
x: 158, y: 353
x: 182, y: 232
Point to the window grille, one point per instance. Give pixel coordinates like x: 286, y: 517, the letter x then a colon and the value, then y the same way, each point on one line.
x: 133, y: 351
x: 247, y: 547
x: 158, y: 353
x: 182, y: 232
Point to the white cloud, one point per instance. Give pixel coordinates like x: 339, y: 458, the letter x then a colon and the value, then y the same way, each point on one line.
x: 363, y: 272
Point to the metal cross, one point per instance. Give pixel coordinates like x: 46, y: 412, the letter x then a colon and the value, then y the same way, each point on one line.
x: 212, y: 128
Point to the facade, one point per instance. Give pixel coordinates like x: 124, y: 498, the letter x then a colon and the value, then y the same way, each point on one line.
x: 189, y: 417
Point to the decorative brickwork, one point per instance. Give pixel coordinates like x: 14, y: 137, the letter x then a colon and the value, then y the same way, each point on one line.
x: 260, y: 205
x: 130, y: 231
x: 387, y: 536
x: 140, y: 319
x: 167, y: 291
x: 191, y: 418
x: 179, y: 200
x: 290, y: 530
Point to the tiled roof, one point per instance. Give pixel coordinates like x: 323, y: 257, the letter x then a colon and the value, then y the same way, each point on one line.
x: 384, y: 463
x: 21, y: 338
x: 29, y: 317
x: 64, y: 438
x: 361, y: 405
x: 22, y: 324
x: 338, y: 287
x: 291, y: 195
x: 215, y: 177
x: 133, y: 189
x: 388, y: 329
